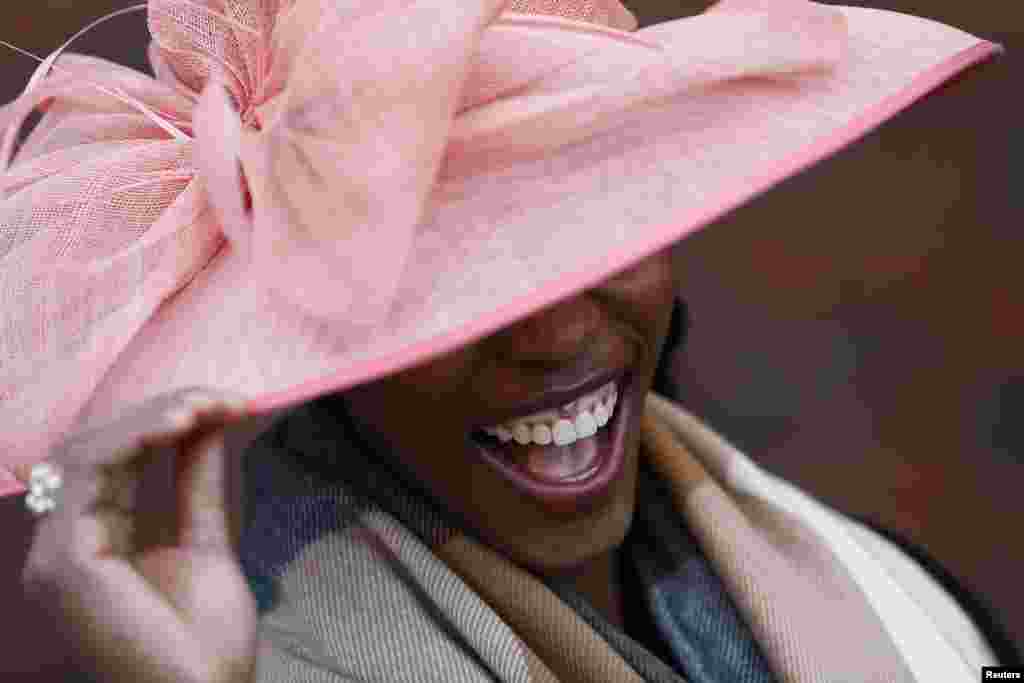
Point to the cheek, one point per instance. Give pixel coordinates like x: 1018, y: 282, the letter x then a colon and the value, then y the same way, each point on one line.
x: 440, y: 376
x: 649, y: 287
x: 417, y: 399
x: 651, y: 292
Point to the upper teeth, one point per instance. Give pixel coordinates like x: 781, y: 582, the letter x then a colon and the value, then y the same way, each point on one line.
x: 588, y: 414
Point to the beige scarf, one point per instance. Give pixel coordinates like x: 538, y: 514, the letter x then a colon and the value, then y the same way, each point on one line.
x: 360, y: 578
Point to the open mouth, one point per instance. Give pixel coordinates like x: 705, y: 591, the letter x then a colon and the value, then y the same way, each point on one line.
x: 569, y: 453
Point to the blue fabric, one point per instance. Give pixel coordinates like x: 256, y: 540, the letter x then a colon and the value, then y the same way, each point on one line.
x: 678, y: 600
x: 709, y: 642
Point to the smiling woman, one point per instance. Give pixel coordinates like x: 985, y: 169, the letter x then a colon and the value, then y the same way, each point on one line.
x: 552, y: 506
x: 446, y: 275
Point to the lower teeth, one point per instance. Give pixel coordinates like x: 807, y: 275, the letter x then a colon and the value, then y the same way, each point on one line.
x: 581, y: 476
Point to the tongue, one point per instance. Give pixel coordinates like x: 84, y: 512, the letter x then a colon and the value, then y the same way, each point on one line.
x: 555, y: 464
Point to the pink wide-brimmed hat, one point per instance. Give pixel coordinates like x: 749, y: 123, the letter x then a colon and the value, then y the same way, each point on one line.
x: 382, y: 182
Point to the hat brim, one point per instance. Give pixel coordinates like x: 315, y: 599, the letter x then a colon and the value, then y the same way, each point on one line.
x: 498, y: 244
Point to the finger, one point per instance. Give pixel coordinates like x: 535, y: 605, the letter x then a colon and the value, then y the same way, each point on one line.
x: 102, y: 471
x: 158, y: 422
x: 93, y: 519
x: 121, y: 628
x: 22, y: 472
x: 202, y: 498
x: 83, y: 566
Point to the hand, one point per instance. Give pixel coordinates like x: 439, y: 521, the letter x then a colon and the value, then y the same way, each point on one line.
x: 148, y: 595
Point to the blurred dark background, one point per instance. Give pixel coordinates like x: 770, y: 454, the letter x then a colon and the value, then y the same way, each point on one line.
x: 858, y: 330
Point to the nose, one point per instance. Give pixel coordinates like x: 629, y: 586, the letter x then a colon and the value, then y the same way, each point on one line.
x: 553, y: 335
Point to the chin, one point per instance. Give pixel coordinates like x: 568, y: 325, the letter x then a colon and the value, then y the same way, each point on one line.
x: 573, y: 559
x: 567, y: 547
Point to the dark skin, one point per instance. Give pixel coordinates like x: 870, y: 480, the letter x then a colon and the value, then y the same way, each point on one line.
x: 133, y: 609
x: 622, y: 322
x: 121, y: 597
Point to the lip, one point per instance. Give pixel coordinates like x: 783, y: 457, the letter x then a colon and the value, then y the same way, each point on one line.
x: 557, y: 397
x: 570, y: 497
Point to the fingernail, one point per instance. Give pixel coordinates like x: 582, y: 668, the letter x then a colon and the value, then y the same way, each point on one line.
x: 200, y: 402
x: 180, y: 418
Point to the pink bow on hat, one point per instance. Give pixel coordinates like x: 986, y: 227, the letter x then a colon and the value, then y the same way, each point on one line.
x: 317, y: 158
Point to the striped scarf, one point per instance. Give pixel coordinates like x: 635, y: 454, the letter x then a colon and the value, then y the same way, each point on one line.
x: 729, y: 573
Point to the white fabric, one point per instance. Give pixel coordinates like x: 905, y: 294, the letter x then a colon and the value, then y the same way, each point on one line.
x: 933, y: 635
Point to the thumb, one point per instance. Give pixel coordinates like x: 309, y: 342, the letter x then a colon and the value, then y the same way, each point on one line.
x: 202, y: 496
